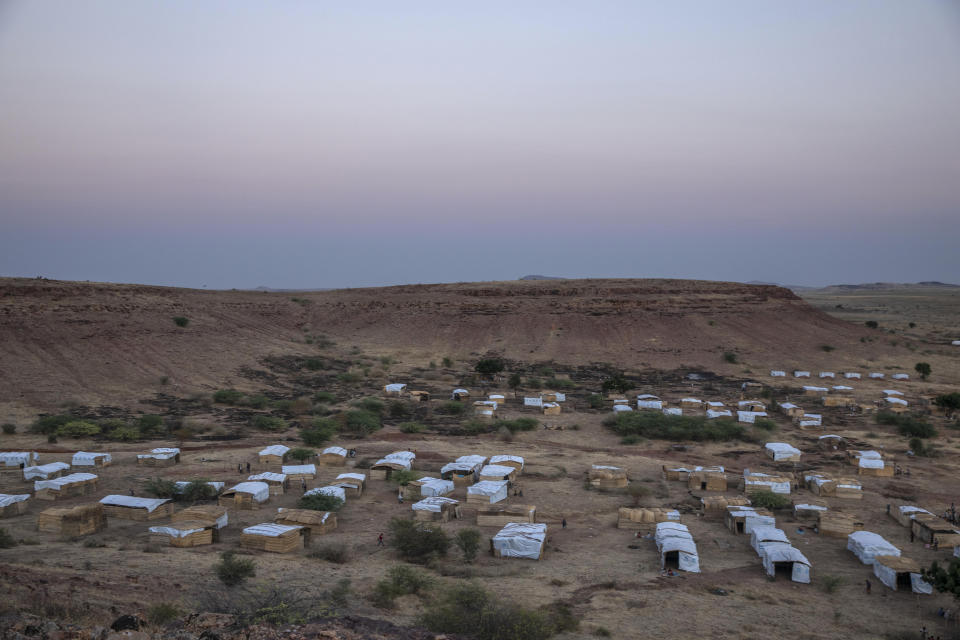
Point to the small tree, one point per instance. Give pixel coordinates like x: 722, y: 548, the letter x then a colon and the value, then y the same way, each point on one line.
x: 78, y: 429
x: 9, y: 428
x: 417, y: 542
x: 949, y: 402
x: 320, y: 502
x: 468, y: 541
x: 616, y: 383
x: 637, y: 493
x: 871, y: 324
x: 300, y: 454
x: 234, y: 571
x: 515, y: 381
x: 769, y: 500
x: 489, y: 367
x: 923, y: 368
x: 160, y: 487
x: 181, y: 321
x: 944, y: 579
x: 402, y: 477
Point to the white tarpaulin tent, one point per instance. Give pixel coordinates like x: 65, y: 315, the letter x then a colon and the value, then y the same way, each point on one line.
x: 507, y: 458
x: 520, y: 540
x: 674, y: 538
x: 162, y: 453
x: 827, y: 374
x: 275, y: 450
x: 395, y: 387
x: 433, y: 504
x: 173, y: 532
x: 44, y: 471
x: 852, y: 376
x: 620, y: 408
x: 891, y: 570
x: 892, y: 392
x: 299, y: 469
x: 259, y: 490
x: 88, y: 458
x: 901, y: 376
x: 62, y: 481
x: 775, y: 373
x: 359, y: 477
x: 336, y: 492
x: 649, y: 404
x: 866, y: 546
x: 462, y: 467
x: 752, y: 520
x: 763, y: 481
x: 495, y: 491
x: 335, y: 451
x: 876, y: 375
x: 813, y: 389
x: 7, y: 499
x: 496, y: 471
x: 532, y: 402
x: 781, y: 450
x: 766, y: 534
x: 811, y: 420
x: 802, y: 506
x: 673, y: 411
x: 432, y: 487
x: 778, y: 553
x: 801, y: 374
x: 150, y: 504
x: 269, y: 476
x: 270, y: 529
x: 749, y: 417
x: 869, y: 463
x: 474, y: 459
x: 726, y: 413
x: 16, y: 458
x: 897, y: 401
x: 402, y: 459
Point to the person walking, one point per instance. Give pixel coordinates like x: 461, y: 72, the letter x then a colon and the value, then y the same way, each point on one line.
x: 867, y: 585
x: 248, y: 467
x: 303, y: 486
x: 563, y: 523
x: 380, y: 540
x: 400, y: 496
x: 239, y: 468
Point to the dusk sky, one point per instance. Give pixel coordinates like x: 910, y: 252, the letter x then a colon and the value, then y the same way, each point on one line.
x: 316, y: 144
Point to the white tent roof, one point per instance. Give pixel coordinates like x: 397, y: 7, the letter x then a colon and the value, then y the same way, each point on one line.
x: 44, y: 470
x: 497, y: 470
x: 436, y: 487
x: 7, y: 499
x: 901, y: 376
x: 693, y: 400
x: 777, y: 373
x: 458, y: 466
x: 842, y: 387
x: 781, y: 450
x: 852, y: 375
x: 779, y: 552
x: 788, y: 405
x: 649, y: 404
x: 274, y: 450
x: 433, y: 503
x: 870, y: 454
x: 827, y: 374
x: 336, y: 451
x: 876, y: 375
x: 472, y: 459
x: 766, y: 534
x: 88, y: 458
x: 867, y: 545
x: 269, y: 476
x: 647, y: 396
x: 673, y: 411
x: 813, y: 388
x: 618, y: 408
x: 62, y: 481
x: 893, y: 392
x: 150, y: 504
x: 830, y: 435
x: 726, y: 413
x: 506, y: 458
x: 352, y: 476
x: 162, y: 453
x: 801, y: 374
x: 296, y: 469
x: 520, y: 540
x: 714, y: 404
x: 259, y: 490
x: 395, y: 386
x: 270, y: 529
x: 910, y: 511
x: 173, y: 532
x: 532, y: 402
x: 896, y: 401
x: 16, y: 458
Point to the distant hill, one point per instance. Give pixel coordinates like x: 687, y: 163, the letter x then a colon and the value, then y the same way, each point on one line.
x: 541, y: 278
x: 885, y: 286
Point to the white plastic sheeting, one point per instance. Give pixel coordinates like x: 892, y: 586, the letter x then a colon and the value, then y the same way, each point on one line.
x: 749, y: 417
x: 269, y: 476
x: 801, y: 374
x: 88, y: 458
x: 162, y: 453
x: 399, y: 458
x: 753, y: 520
x: 561, y: 397
x: 781, y: 450
x: 807, y: 507
x: 815, y: 389
x: 892, y: 392
x: 520, y: 540
x: 532, y: 402
x: 690, y: 400
x: 911, y: 511
x: 778, y: 374
x: 852, y: 375
x: 507, y: 458
x: 299, y: 469
x: 395, y: 387
x: 766, y: 534
x: 150, y: 504
x: 620, y: 408
x: 673, y: 537
x: 172, y: 532
x: 462, y: 467
x: 649, y: 404
x: 359, y: 477
x: 811, y: 420
x: 335, y: 451
x: 433, y: 504
x: 746, y: 404
x: 756, y: 481
x: 336, y: 492
x: 778, y: 553
x: 888, y: 576
x: 259, y: 490
x: 472, y: 459
x: 870, y: 463
x: 673, y: 411
x: 7, y: 499
x: 647, y: 396
x: 62, y: 481
x: 900, y: 376
x: 726, y: 413
x: 788, y: 406
x: 830, y: 435
x: 432, y: 487
x: 713, y: 404
x: 497, y: 471
x: 827, y: 374
x: 16, y: 458
x: 866, y: 546
x: 44, y: 471
x: 897, y: 401
x: 494, y: 490
x: 271, y: 529
x: 876, y: 375
x: 841, y: 387
x: 275, y: 450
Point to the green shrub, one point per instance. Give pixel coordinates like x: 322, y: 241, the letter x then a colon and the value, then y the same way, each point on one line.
x: 349, y: 377
x: 489, y: 366
x: 871, y: 324
x: 180, y: 321
x: 730, y: 356
x: 416, y: 541
x: 7, y: 541
x: 197, y: 490
x: 595, y: 400
x: 401, y: 580
x: 399, y: 410
x: 765, y: 424
x: 258, y: 401
x: 227, y: 396
x: 403, y: 477
x: 769, y: 500
x: 48, y: 425
x: 476, y: 427
x: 338, y: 553
x: 317, y: 435
x: 9, y: 428
x: 949, y: 402
x: 560, y: 383
x: 360, y: 422
x: 269, y: 423
x: 78, y: 429
x: 324, y: 396
x: 160, y: 488
x: 320, y: 502
x: 313, y: 364
x: 447, y: 363
x: 300, y: 454
x: 162, y: 613
x: 631, y: 439
x: 468, y: 541
x: 233, y: 571
x: 412, y: 427
x: 924, y: 369
x: 616, y: 383
x: 373, y: 405
x: 125, y: 433
x: 831, y: 583
x: 451, y: 408
x: 520, y: 424
x: 657, y: 426
x: 150, y: 425
x: 828, y: 348
x: 908, y: 426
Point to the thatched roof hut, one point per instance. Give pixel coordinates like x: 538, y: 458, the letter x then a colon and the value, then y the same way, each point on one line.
x: 207, y: 513
x: 897, y: 572
x: 716, y: 506
x: 837, y: 524
x: 639, y: 517
x: 934, y: 530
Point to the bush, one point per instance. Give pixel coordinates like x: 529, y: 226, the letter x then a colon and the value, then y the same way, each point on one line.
x: 233, y: 571
x: 9, y: 428
x: 227, y: 396
x: 180, y: 321
x: 412, y: 427
x: 399, y: 410
x: 828, y: 348
x: 403, y: 477
x: 125, y: 433
x: 468, y: 541
x: 349, y: 377
x: 908, y: 426
x: 451, y: 408
x: 320, y: 502
x: 197, y: 490
x: 475, y: 427
x: 489, y: 366
x: 48, y: 425
x: 313, y: 364
x: 324, y: 396
x: 447, y: 363
x: 871, y: 324
x: 161, y: 488
x: 78, y: 429
x: 730, y: 356
x: 949, y: 402
x: 258, y: 401
x: 150, y: 425
x: 616, y: 383
x: 317, y: 436
x: 595, y: 400
x: 769, y: 500
x: 300, y: 454
x: 162, y: 613
x: 923, y: 368
x: 373, y: 405
x: 7, y: 541
x: 333, y: 552
x: 831, y: 583
x: 560, y: 383
x: 418, y: 542
x: 360, y: 422
x: 520, y: 424
x: 401, y: 580
x: 765, y: 424
x: 269, y: 423
x: 657, y: 426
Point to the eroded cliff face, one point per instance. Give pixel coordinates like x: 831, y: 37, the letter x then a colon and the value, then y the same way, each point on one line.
x: 93, y: 341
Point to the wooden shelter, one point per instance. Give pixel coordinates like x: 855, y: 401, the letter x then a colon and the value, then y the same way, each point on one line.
x: 740, y: 519
x: 496, y: 472
x: 519, y: 540
x: 501, y: 515
x: 420, y: 396
x: 184, y: 533
x: 277, y: 538
x: 383, y: 468
x: 716, y: 506
x: 318, y: 522
x: 837, y: 524
x: 436, y: 509
x: 297, y: 472
x: 75, y: 484
x: 904, y: 514
x: 808, y: 508
x: 607, y: 476
x: 46, y: 471
x: 832, y: 442
x: 394, y: 389
x: 333, y: 457
x: 133, y: 508
x: 427, y: 487
x: 829, y: 487
x: 707, y: 481
x: 790, y: 410
x: 162, y: 457
x: 640, y: 517
x: 70, y: 522
x: 91, y: 459
x: 934, y: 530
x: 462, y: 474
x: 509, y: 461
x: 550, y: 408
x: 352, y: 484
x: 212, y: 514
x: 900, y: 573
x: 274, y: 455
x: 246, y: 495
x: 487, y: 492
x: 278, y: 482
x: 13, y: 505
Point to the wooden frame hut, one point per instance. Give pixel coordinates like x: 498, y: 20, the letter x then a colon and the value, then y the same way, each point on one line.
x: 15, y: 460
x: 297, y: 472
x: 753, y: 482
x: 502, y: 515
x: 703, y: 480
x: 790, y: 410
x: 743, y: 520
x: 691, y: 404
x: 394, y: 389
x: 460, y: 473
x: 383, y: 468
x: 870, y: 463
x: 274, y: 455
x: 436, y: 509
x: 837, y: 524
x: 485, y: 409
x: 808, y: 509
x: 91, y: 459
x: 215, y: 515
x: 904, y: 514
x: 716, y: 506
x: 550, y: 409
x: 70, y: 522
x: 161, y: 457
x: 75, y: 484
x: 607, y: 476
x: 420, y: 396
x: 427, y: 487
x: 333, y: 457
x: 898, y: 572
x: 499, y: 398
x: 782, y: 452
x: 278, y: 482
x: 509, y: 461
x: 832, y: 442
x: 519, y: 540
x: 645, y: 517
x: 460, y: 394
x: 133, y: 508
x: 496, y: 472
x: 353, y: 484
x: 318, y: 522
x: 184, y: 533
x: 46, y: 471
x: 246, y: 495
x: 828, y: 487
x: 13, y: 504
x: 934, y: 530
x: 487, y: 492
x: 276, y: 538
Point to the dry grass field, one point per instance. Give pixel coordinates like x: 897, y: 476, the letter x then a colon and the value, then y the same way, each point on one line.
x: 112, y: 352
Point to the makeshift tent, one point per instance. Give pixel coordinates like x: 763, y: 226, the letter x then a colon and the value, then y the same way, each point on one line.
x: 841, y: 389
x: 394, y: 388
x: 333, y: 457
x: 726, y: 413
x: 765, y: 482
x: 898, y: 573
x: 420, y: 396
x: 487, y: 492
x: 184, y: 533
x: 647, y: 396
x: 75, y: 484
x: 934, y: 530
x: 874, y: 467
x: 17, y: 458
x: 808, y: 509
x: 508, y: 461
x: 297, y: 472
x: 690, y: 403
x: 641, y: 517
x: 460, y: 473
x: 435, y: 508
x: 499, y: 398
x: 782, y: 452
x: 278, y: 482
x: 714, y: 405
x: 810, y: 420
x: 278, y: 538
x: 829, y: 487
x: 676, y: 547
x: 810, y: 390
x: 336, y: 492
x: 427, y: 487
x: 650, y: 404
x: 904, y: 514
x: 352, y: 484
x: 520, y: 540
x: 621, y: 408
x: 838, y: 525
x: 318, y: 522
x: 532, y: 402
x: 673, y: 411
x: 13, y: 504
x: 790, y: 409
x: 607, y: 476
x: 827, y: 374
x: 214, y: 515
x: 503, y: 514
x: 876, y: 375
x: 550, y: 409
x: 275, y: 454
x: 459, y: 394
x: 801, y: 374
x: 246, y: 495
x: 852, y: 376
x: 716, y: 506
x: 742, y: 519
x: 474, y: 459
x: 498, y: 472
x: 867, y: 545
x: 749, y: 417
x: 751, y: 405
x: 775, y: 373
x: 161, y: 457
x: 133, y: 508
x: 831, y: 441
x: 766, y: 534
x: 91, y: 459
x: 396, y: 461
x: 71, y: 522
x: 892, y: 392
x: 46, y: 471
x: 779, y: 557
x: 900, y: 376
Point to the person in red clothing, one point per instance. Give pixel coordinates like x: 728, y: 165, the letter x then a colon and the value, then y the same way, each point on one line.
x: 380, y: 540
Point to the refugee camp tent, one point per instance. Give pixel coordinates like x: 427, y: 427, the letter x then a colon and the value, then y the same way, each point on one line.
x: 246, y: 495
x: 621, y: 408
x: 501, y: 514
x: 607, y: 476
x: 17, y: 458
x: 318, y: 522
x: 160, y: 457
x: 643, y: 517
x: 275, y: 454
x: 837, y: 524
x: 133, y: 508
x: 809, y: 420
x: 765, y: 482
x: 13, y: 504
x: 460, y: 473
x: 333, y: 457
x: 213, y: 514
x: 870, y: 463
x: 749, y: 417
x: 75, y: 484
x: 427, y: 487
x: 532, y: 402
x: 297, y: 472
x: 498, y: 472
x: 751, y: 405
x: 801, y: 374
x: 278, y: 482
x: 892, y: 392
x: 487, y: 492
x: 435, y: 508
x: 676, y: 547
x: 782, y: 452
x: 183, y: 534
x: 867, y: 545
x: 383, y: 468
x: 550, y: 408
x: 810, y: 390
x: 780, y: 557
x: 831, y: 441
x: 707, y: 480
x: 690, y: 403
x: 790, y: 409
x: 91, y: 459
x: 726, y: 413
x: 459, y: 394
x: 278, y: 538
x: 716, y: 506
x: 673, y: 411
x: 934, y: 530
x: 897, y: 573
x: 499, y: 398
x: 808, y: 509
x: 766, y: 534
x: 46, y: 471
x: 509, y: 461
x: 715, y: 405
x: 827, y: 374
x: 850, y: 375
x: 904, y: 514
x: 743, y: 519
x: 683, y: 473
x: 876, y: 375
x: 520, y: 540
x: 778, y: 374
x: 649, y: 404
x: 900, y: 376
x: 394, y: 388
x: 72, y: 522
x: 352, y: 483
